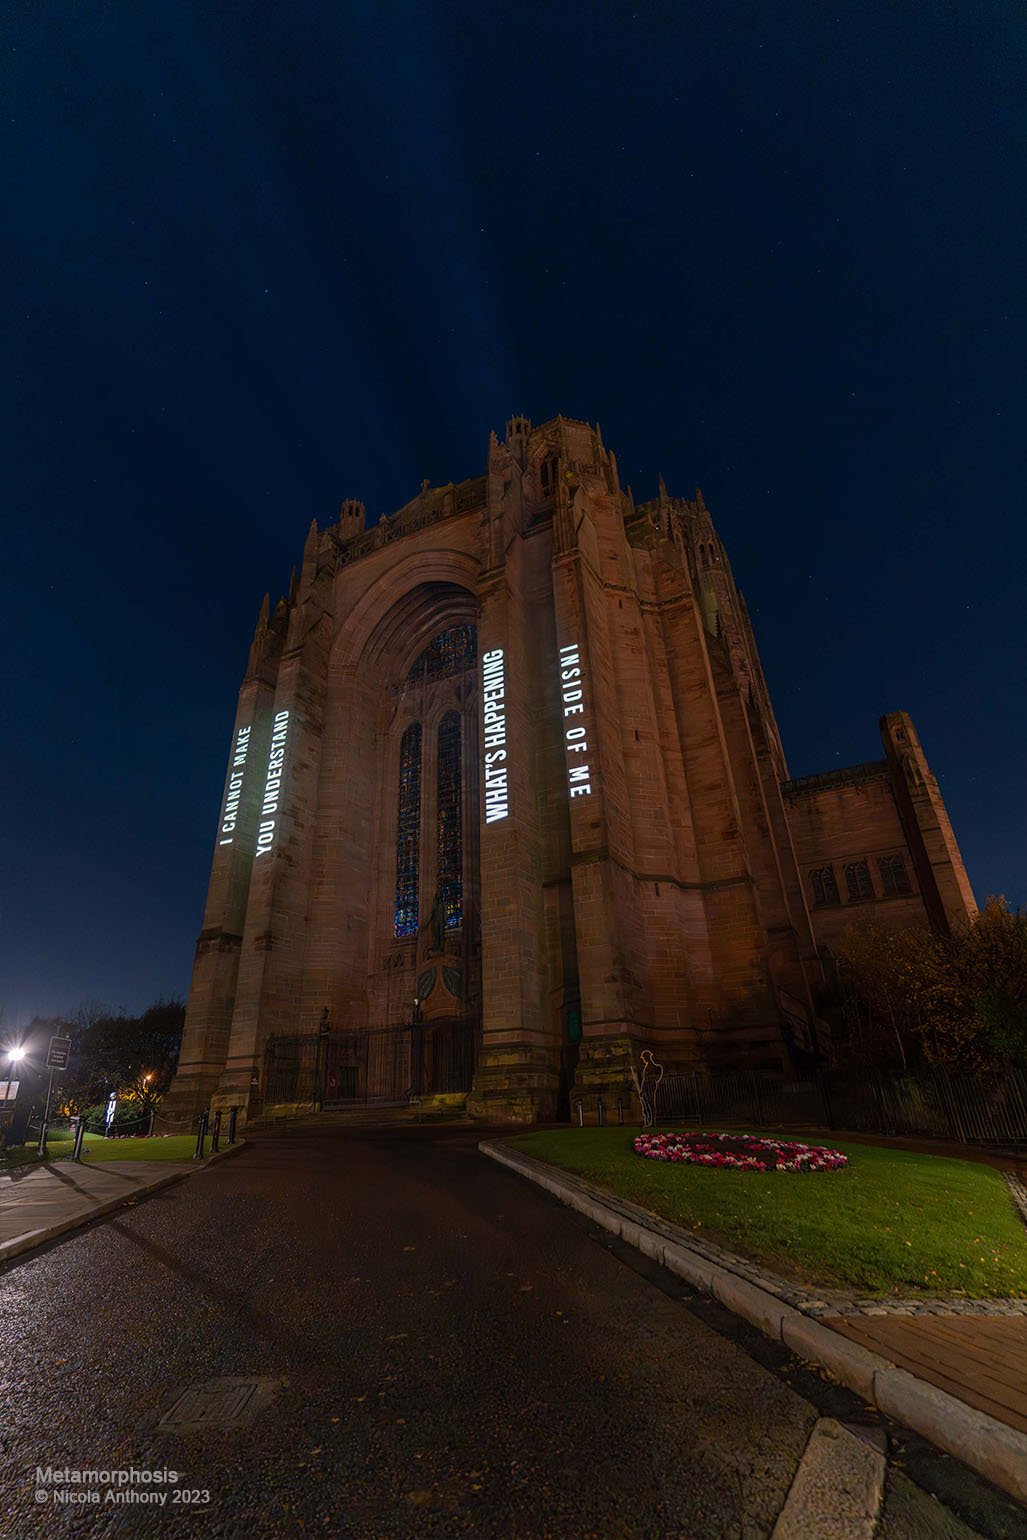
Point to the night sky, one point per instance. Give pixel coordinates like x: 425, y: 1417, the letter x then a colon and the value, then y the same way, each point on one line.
x: 259, y: 258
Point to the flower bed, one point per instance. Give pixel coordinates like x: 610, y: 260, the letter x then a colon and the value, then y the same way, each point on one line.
x: 738, y: 1152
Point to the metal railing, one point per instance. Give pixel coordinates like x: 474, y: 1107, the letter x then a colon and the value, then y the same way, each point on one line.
x: 980, y: 1108
x: 382, y: 1066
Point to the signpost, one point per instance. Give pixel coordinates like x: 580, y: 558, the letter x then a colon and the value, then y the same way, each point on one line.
x: 58, y: 1053
x: 57, y: 1056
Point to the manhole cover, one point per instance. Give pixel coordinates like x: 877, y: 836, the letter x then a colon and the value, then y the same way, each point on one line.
x: 232, y: 1402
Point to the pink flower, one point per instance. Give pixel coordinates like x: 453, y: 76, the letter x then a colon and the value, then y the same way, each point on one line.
x: 737, y: 1152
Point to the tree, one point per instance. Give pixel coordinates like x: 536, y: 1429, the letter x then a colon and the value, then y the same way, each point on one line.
x: 154, y: 1048
x: 135, y: 1056
x: 874, y: 966
x: 993, y: 981
x: 959, y: 1000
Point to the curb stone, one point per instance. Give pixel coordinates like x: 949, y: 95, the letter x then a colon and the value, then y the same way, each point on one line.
x: 838, y: 1489
x: 848, y: 1361
x: 31, y: 1239
x: 1019, y: 1193
x: 994, y: 1450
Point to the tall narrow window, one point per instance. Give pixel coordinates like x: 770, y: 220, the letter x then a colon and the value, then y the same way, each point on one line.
x: 894, y: 877
x: 857, y: 881
x: 408, y: 831
x: 825, y: 888
x: 450, y: 822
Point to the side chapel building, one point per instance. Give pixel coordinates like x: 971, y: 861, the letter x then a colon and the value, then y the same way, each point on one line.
x: 507, y: 804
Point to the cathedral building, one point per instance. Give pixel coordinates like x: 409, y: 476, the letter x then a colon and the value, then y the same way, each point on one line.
x: 507, y: 804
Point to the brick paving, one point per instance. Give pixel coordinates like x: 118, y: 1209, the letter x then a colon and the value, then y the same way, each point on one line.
x: 984, y: 1363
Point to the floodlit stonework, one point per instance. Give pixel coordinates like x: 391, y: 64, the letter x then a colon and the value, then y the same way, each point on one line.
x: 511, y: 754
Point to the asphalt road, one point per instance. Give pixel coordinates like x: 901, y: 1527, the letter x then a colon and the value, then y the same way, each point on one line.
x: 450, y: 1352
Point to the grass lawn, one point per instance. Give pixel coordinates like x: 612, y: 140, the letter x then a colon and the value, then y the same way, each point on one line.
x: 175, y: 1147
x: 891, y: 1222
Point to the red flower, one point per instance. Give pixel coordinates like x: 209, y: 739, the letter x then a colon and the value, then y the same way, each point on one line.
x: 737, y: 1152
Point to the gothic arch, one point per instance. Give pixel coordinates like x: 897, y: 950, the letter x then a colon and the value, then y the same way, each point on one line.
x: 405, y: 606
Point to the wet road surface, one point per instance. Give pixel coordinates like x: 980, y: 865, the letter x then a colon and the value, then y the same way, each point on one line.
x: 451, y: 1352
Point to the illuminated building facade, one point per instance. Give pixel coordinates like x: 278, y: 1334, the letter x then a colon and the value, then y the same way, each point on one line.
x: 510, y: 755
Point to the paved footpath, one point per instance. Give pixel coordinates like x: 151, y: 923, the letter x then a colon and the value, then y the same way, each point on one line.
x: 388, y: 1335
x: 38, y: 1202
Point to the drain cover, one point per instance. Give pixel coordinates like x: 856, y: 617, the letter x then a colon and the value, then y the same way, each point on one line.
x: 227, y: 1403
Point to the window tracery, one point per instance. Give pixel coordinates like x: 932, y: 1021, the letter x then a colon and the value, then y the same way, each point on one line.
x: 408, y: 832
x: 452, y: 652
x: 450, y: 821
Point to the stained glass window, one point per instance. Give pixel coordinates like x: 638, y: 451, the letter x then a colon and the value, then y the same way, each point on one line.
x: 408, y: 831
x: 451, y: 653
x: 450, y: 823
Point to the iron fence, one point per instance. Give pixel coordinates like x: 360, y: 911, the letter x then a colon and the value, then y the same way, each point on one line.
x: 387, y: 1065
x: 981, y: 1108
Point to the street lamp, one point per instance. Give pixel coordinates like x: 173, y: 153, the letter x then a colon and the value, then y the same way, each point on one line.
x: 14, y: 1055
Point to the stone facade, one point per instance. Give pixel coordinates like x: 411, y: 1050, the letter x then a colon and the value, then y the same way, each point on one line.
x: 594, y: 739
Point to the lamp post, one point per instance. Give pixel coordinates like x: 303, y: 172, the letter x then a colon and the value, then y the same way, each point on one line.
x: 46, y: 1115
x: 324, y: 1026
x: 416, y: 1048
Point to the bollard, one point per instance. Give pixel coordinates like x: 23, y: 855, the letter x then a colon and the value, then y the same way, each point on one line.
x: 201, y: 1135
x: 42, y: 1137
x: 215, y: 1138
x: 80, y: 1134
x: 620, y: 1111
x: 581, y: 1114
x: 233, y: 1117
x: 601, y: 1111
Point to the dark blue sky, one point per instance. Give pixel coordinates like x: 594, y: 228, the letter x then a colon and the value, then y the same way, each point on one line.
x: 259, y: 258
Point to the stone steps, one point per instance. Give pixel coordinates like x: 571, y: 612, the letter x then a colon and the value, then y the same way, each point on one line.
x: 381, y: 1115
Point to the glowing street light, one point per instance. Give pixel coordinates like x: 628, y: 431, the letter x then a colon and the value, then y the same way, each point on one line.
x: 14, y: 1055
